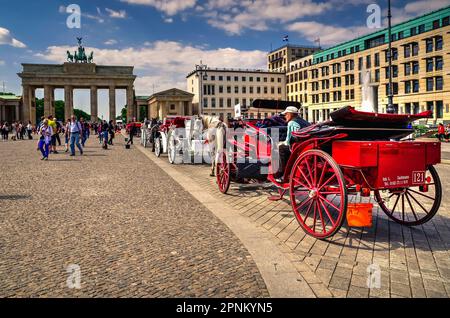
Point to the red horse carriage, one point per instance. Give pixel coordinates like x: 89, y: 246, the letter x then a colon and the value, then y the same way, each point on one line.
x: 356, y: 153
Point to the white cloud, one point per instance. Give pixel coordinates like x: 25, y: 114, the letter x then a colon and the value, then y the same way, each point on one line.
x: 235, y: 16
x: 328, y: 34
x: 7, y: 39
x: 2, y: 62
x: 414, y: 9
x: 121, y: 14
x: 171, y: 61
x: 169, y: 7
x: 111, y: 42
x: 168, y: 20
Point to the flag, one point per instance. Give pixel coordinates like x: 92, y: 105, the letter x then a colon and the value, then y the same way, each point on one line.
x: 286, y: 38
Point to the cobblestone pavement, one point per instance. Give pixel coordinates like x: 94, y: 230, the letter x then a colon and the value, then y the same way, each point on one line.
x: 414, y: 262
x: 133, y: 231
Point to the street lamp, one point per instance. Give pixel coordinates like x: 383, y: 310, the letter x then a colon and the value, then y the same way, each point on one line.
x: 201, y: 70
x: 390, y: 107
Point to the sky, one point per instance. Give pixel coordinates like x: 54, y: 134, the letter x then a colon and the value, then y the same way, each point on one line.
x: 164, y: 39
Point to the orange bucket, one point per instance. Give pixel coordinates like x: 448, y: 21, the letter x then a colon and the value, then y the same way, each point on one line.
x: 359, y: 214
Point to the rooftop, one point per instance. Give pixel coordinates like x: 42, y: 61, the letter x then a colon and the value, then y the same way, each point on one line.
x: 295, y: 46
x: 235, y: 70
x: 9, y: 97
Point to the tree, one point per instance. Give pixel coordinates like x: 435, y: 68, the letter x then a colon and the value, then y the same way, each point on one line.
x: 123, y: 116
x: 59, y: 111
x: 79, y: 113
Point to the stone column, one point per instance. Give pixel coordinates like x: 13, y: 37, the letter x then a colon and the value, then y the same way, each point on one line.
x: 68, y: 101
x: 26, y: 103
x: 94, y: 104
x: 32, y: 104
x: 52, y: 104
x: 18, y: 113
x: 181, y: 108
x: 47, y: 100
x: 112, y: 103
x: 130, y: 104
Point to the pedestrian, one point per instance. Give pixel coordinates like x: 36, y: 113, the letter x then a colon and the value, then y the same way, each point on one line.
x: 5, y: 131
x: 75, y: 131
x: 29, y: 130
x: 67, y: 135
x: 52, y: 123
x: 105, y: 128
x: 132, y: 132
x: 58, y: 131
x: 100, y: 133
x: 441, y: 132
x: 83, y: 132
x: 46, y: 133
x: 13, y: 131
x: 111, y: 130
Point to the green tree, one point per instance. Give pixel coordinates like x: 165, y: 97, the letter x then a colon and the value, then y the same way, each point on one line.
x: 79, y: 113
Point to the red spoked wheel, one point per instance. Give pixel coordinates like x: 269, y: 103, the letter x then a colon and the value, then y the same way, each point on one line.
x: 223, y: 171
x: 415, y: 205
x: 318, y: 194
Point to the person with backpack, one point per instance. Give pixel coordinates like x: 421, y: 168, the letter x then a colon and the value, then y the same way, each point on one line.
x: 5, y: 131
x: 75, y: 130
x: 46, y: 133
x: 105, y: 129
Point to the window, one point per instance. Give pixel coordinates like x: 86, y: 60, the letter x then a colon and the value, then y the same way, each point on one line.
x: 213, y: 102
x: 413, y: 31
x: 439, y: 63
x: 265, y: 90
x: 213, y: 78
x: 229, y: 89
x: 236, y: 89
x: 251, y: 89
x: 445, y: 21
x: 373, y: 42
x: 435, y: 24
x: 394, y: 54
x: 228, y: 78
x: 244, y: 90
x: 438, y: 43
x: 368, y: 61
x: 415, y: 67
x: 220, y: 89
x: 258, y: 90
x: 279, y: 90
x: 377, y: 75
x: 250, y: 79
x: 236, y: 78
x: 407, y: 87
x: 429, y: 45
x: 394, y: 89
x: 439, y: 109
x: 439, y: 83
x: 258, y: 79
x: 415, y: 49
x: 205, y: 102
x: 407, y: 69
x: 360, y: 63
x: 377, y: 59
x: 228, y: 102
x: 400, y: 35
x: 429, y: 63
x: 220, y: 78
x: 244, y: 78
x: 430, y: 83
x: 221, y: 102
x: 421, y: 28
x: 415, y: 86
x: 407, y: 51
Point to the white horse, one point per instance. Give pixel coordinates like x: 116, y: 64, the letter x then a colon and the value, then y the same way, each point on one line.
x: 216, y: 133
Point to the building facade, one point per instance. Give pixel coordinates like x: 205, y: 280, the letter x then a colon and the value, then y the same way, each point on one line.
x: 333, y: 78
x: 10, y: 108
x: 222, y: 89
x: 280, y: 59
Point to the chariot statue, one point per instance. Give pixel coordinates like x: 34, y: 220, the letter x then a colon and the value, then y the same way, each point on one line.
x: 80, y: 54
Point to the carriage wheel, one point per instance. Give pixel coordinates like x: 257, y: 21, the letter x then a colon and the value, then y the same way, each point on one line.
x: 223, y: 172
x: 318, y: 194
x: 415, y: 205
x: 157, y: 145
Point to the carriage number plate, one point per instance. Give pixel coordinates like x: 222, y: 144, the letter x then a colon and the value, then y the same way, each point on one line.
x: 418, y: 177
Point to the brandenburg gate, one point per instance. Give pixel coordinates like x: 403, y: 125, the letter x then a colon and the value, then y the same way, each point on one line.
x: 78, y: 73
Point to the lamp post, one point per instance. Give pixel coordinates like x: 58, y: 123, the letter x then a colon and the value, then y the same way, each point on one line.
x: 390, y: 107
x: 201, y: 72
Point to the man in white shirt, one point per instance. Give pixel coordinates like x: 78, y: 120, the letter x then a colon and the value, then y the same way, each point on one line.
x: 75, y: 131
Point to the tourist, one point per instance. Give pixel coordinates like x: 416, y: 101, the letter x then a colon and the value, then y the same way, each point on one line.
x: 58, y: 131
x: 132, y: 132
x: 111, y: 130
x: 13, y: 131
x: 441, y: 132
x: 52, y: 123
x: 67, y: 135
x: 5, y: 131
x: 46, y: 133
x: 75, y: 130
x: 30, y: 130
x: 105, y: 128
x: 100, y: 133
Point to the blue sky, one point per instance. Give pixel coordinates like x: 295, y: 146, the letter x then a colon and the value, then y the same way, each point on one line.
x: 164, y: 39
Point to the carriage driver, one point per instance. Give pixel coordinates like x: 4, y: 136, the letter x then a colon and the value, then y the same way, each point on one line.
x: 295, y: 123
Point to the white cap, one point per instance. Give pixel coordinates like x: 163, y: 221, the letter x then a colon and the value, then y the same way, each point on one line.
x: 290, y: 109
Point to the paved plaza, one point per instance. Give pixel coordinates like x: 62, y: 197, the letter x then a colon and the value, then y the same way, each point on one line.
x: 130, y: 228
x: 132, y: 224
x: 413, y: 262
